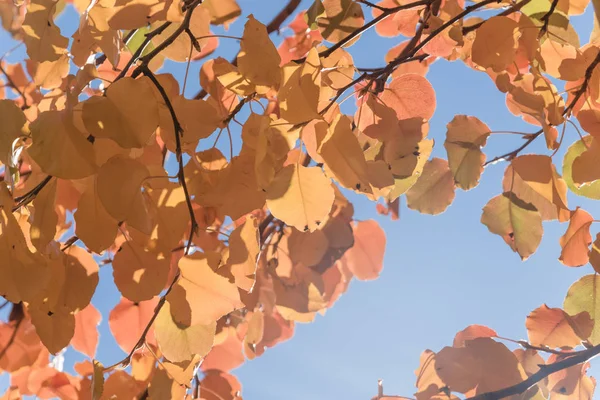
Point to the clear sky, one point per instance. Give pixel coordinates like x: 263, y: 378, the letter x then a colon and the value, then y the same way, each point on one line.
x: 440, y: 275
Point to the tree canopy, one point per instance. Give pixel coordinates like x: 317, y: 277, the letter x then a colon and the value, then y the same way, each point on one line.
x: 218, y: 250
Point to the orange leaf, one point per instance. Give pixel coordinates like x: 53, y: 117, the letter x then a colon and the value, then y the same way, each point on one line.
x: 496, y: 42
x: 553, y: 327
x: 472, y: 332
x: 576, y: 241
x: 85, y: 339
x: 411, y: 96
x: 365, y: 257
x: 128, y: 320
x: 434, y: 191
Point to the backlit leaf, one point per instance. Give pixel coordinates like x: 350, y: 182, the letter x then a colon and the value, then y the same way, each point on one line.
x: 300, y: 196
x: 553, y: 327
x: 577, y: 239
x: 434, y: 190
x: 517, y: 222
x: 365, y: 257
x: 584, y: 295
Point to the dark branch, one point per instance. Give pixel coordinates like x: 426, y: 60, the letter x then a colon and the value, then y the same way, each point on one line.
x: 545, y: 371
x: 180, y: 173
x: 29, y: 196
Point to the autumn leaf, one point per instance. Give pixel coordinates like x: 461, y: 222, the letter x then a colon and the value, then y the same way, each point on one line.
x: 577, y: 239
x: 464, y: 139
x: 365, y: 257
x: 434, y: 190
x: 517, y: 222
x: 411, y: 96
x: 483, y: 364
x: 583, y: 296
x: 85, y: 338
x: 553, y: 327
x: 533, y: 179
x: 127, y: 321
x: 54, y: 329
x: 179, y: 342
x: 299, y: 93
x: 59, y: 148
x: 300, y: 196
x: 591, y: 190
x: 496, y: 43
x: 198, y: 287
x: 258, y: 59
x: 42, y: 37
x: 472, y: 332
x: 128, y: 114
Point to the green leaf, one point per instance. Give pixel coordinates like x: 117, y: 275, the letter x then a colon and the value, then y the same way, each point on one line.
x: 134, y: 43
x: 314, y: 12
x: 592, y: 190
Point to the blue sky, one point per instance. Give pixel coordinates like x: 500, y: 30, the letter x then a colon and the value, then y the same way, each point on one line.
x: 440, y: 275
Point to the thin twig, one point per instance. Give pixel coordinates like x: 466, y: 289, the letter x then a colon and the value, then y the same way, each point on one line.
x: 512, y: 154
x: 516, y: 7
x: 29, y: 196
x: 140, y: 49
x: 357, y: 32
x: 180, y: 173
x: 546, y: 18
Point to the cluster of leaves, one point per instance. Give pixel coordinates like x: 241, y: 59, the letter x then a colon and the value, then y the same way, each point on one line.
x: 217, y: 262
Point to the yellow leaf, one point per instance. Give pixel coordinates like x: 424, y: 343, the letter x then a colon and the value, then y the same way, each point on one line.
x: 517, y: 222
x: 299, y: 93
x: 584, y: 295
x: 139, y: 273
x: 73, y: 268
x: 533, y: 179
x: 434, y: 191
x: 50, y: 74
x: 300, y: 196
x: 341, y: 18
x: 258, y: 59
x: 54, y: 329
x: 121, y: 193
x: 243, y: 253
x: 201, y: 296
x: 128, y: 113
x: 23, y: 274
x: 13, y: 125
x: 59, y: 148
x: 223, y: 11
x: 344, y: 157
x: 163, y: 386
x: 44, y: 217
x: 93, y: 225
x: 42, y: 37
x: 180, y: 342
x: 464, y: 139
x: 179, y: 49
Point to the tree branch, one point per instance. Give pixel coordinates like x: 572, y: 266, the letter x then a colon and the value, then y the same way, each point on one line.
x: 180, y: 173
x: 545, y: 371
x: 357, y: 32
x: 185, y: 24
x: 29, y: 196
